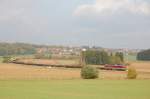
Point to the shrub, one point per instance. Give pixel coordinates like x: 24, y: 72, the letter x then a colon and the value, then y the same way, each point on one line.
x: 89, y: 72
x: 132, y: 74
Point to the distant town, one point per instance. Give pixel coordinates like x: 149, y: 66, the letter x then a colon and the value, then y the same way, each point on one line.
x: 67, y: 50
x: 24, y: 48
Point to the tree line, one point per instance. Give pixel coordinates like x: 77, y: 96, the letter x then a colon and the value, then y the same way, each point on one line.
x: 17, y: 49
x: 102, y: 57
x: 144, y: 55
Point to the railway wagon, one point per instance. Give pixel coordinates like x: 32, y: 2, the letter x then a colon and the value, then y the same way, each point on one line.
x: 115, y: 67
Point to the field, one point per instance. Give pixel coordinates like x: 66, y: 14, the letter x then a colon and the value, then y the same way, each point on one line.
x: 18, y: 71
x: 34, y: 82
x: 14, y: 71
x: 51, y: 61
x: 75, y: 89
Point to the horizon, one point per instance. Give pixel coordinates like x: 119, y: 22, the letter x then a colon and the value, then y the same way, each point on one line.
x: 90, y: 46
x: 104, y: 23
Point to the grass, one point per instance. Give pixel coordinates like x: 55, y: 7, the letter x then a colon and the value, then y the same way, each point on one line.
x: 130, y: 57
x: 31, y: 82
x: 75, y: 89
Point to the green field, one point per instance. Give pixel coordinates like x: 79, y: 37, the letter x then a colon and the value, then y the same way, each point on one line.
x: 75, y: 89
x: 130, y: 57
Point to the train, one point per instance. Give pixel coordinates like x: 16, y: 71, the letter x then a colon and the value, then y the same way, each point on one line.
x: 120, y: 67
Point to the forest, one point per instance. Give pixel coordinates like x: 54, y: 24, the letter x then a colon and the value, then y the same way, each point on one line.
x: 144, y: 55
x: 17, y: 49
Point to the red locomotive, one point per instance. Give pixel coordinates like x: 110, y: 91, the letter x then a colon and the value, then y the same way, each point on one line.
x: 115, y: 67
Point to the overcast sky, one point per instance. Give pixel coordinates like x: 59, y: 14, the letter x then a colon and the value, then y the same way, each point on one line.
x: 105, y: 23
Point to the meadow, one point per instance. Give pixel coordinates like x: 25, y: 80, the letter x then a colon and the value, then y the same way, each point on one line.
x: 74, y: 89
x: 35, y: 82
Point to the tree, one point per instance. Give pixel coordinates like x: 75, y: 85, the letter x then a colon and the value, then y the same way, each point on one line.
x: 144, y: 55
x: 82, y: 58
x: 7, y: 49
x: 104, y: 57
x: 114, y: 60
x: 120, y: 55
x: 101, y: 57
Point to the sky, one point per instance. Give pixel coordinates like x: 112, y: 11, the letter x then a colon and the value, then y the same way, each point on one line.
x: 104, y: 23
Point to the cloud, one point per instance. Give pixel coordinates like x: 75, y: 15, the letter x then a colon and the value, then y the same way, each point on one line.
x: 114, y: 23
x: 107, y: 7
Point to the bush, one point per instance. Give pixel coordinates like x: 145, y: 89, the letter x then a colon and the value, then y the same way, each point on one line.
x: 132, y: 74
x: 89, y: 72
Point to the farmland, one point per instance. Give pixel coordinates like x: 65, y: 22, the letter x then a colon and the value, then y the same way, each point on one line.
x: 14, y: 71
x: 75, y: 49
x: 19, y: 71
x: 19, y: 81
